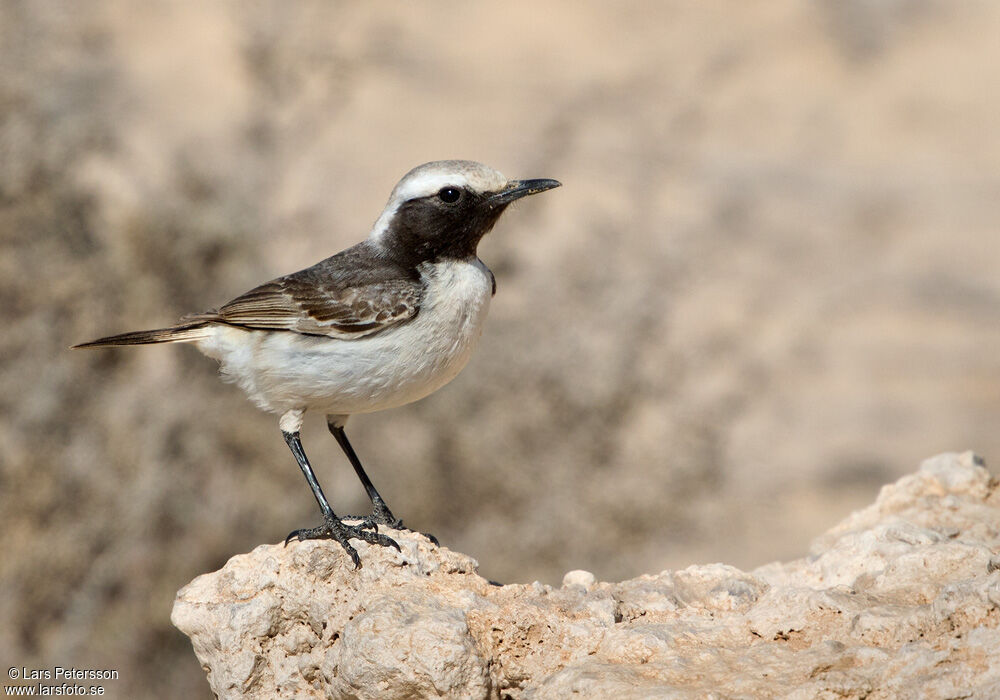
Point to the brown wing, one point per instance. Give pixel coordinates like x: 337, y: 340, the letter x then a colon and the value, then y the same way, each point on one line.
x: 333, y: 298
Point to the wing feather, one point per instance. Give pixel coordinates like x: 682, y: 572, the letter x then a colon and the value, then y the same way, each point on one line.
x: 332, y: 298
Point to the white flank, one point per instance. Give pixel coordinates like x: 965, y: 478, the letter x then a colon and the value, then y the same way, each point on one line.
x: 286, y: 371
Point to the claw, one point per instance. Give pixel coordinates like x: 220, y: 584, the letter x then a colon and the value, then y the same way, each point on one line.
x: 336, y: 529
x: 398, y: 525
x: 354, y: 555
x: 379, y: 539
x: 381, y: 515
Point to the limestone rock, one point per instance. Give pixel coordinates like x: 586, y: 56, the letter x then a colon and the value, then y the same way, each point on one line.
x: 901, y: 599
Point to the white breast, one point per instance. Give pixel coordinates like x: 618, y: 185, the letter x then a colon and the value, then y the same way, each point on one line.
x: 282, y: 371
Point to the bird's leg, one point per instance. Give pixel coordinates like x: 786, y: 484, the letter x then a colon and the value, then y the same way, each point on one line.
x: 380, y: 511
x: 332, y: 527
x: 380, y: 515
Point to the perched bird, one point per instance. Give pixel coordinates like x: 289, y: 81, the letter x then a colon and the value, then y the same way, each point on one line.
x: 378, y: 325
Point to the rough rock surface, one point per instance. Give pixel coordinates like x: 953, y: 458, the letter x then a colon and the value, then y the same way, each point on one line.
x: 901, y: 599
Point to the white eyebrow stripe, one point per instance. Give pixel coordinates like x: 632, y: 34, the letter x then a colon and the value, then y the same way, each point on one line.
x: 427, y: 184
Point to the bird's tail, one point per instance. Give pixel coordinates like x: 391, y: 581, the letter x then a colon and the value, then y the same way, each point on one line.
x: 183, y: 333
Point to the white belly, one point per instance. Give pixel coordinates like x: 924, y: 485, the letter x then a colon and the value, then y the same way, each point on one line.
x: 283, y: 371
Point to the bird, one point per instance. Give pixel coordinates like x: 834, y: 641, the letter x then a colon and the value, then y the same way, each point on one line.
x: 376, y: 326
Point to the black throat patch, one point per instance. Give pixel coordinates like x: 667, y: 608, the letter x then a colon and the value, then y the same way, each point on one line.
x: 427, y: 229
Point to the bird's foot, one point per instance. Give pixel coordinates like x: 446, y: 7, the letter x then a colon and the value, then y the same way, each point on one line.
x: 335, y: 529
x: 381, y: 515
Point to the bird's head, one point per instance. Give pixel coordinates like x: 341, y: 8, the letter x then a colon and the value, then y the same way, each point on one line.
x: 442, y: 209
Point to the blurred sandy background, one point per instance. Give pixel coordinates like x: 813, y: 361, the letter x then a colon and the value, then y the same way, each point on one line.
x: 768, y: 286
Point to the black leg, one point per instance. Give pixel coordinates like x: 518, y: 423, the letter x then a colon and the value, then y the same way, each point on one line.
x: 381, y: 515
x: 379, y: 507
x: 295, y: 445
x: 332, y: 526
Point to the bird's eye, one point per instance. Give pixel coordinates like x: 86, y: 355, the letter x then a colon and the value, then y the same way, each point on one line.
x: 449, y: 195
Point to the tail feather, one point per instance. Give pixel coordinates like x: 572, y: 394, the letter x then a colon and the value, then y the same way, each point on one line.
x: 177, y: 334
